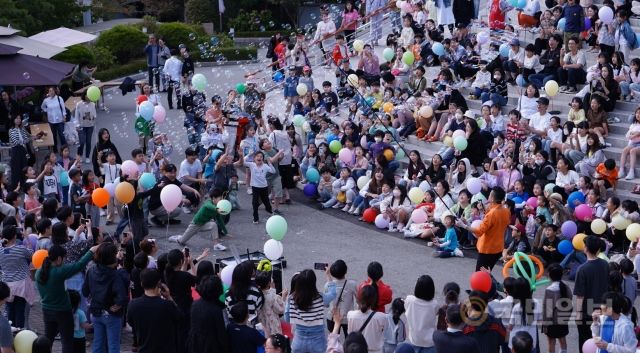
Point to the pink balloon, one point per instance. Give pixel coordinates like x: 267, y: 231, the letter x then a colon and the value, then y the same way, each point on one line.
x: 364, y: 143
x: 130, y: 168
x: 159, y: 114
x: 381, y: 222
x: 407, y: 7
x: 418, y: 216
x: 583, y: 211
x: 171, y: 197
x: 459, y: 133
x: 111, y: 188
x: 532, y: 202
x: 345, y: 155
x: 589, y: 346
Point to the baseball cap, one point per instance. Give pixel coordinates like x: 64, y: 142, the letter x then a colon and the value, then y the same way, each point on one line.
x: 543, y: 100
x: 515, y: 41
x: 306, y: 68
x: 519, y: 227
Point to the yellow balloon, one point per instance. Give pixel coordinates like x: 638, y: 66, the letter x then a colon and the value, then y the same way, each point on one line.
x: 388, y: 154
x: 358, y: 45
x: 353, y: 80
x: 342, y: 197
x: 125, y: 192
x: 416, y: 195
x: 387, y: 107
x: 551, y: 88
x: 633, y: 232
x: 426, y: 111
x: 598, y: 226
x: 448, y: 141
x: 578, y: 241
x: 23, y: 342
x: 619, y: 222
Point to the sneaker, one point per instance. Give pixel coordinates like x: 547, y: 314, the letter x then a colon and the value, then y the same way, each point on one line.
x: 278, y: 212
x: 175, y: 239
x: 249, y: 191
x: 103, y: 213
x: 457, y: 252
x: 627, y: 98
x: 630, y: 176
x: 338, y: 205
x: 430, y: 243
x: 562, y: 89
x: 346, y: 208
x: 570, y: 90
x: 219, y: 247
x: 256, y: 222
x: 607, y: 144
x: 155, y: 221
x: 186, y: 209
x: 400, y: 227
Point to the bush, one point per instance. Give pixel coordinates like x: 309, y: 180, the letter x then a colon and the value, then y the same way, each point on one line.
x: 125, y: 42
x: 228, y: 54
x: 104, y: 58
x: 176, y: 33
x: 253, y: 21
x: 150, y: 23
x: 133, y: 67
x: 77, y: 54
x: 200, y: 11
x: 259, y: 34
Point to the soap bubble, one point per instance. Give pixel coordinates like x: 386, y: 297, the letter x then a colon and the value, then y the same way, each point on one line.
x: 214, y: 41
x: 192, y: 36
x: 26, y: 75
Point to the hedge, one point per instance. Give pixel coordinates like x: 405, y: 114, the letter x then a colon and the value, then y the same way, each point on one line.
x: 125, y: 42
x: 176, y: 33
x: 118, y: 71
x: 76, y: 54
x: 265, y: 34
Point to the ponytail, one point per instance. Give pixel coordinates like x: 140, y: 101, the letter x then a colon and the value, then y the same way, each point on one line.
x: 44, y: 271
x: 174, y: 259
x: 55, y: 252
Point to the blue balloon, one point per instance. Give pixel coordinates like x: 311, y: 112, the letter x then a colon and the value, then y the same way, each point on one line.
x: 561, y: 24
x: 438, y: 48
x: 64, y: 179
x: 504, y: 50
x: 278, y: 76
x: 521, y: 81
x: 573, y: 197
x: 310, y: 190
x: 565, y: 247
x: 521, y: 4
x: 637, y: 37
x: 312, y: 175
x: 147, y: 180
x: 146, y: 110
x: 517, y: 200
x: 331, y: 138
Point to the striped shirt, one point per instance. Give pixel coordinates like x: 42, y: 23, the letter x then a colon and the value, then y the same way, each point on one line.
x: 313, y: 316
x: 254, y: 301
x: 14, y: 263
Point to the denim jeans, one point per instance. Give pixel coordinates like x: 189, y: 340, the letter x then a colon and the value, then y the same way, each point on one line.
x: 418, y: 349
x: 309, y: 339
x: 57, y: 129
x: 494, y: 97
x: 324, y: 195
x: 106, y: 333
x: 479, y: 91
x: 59, y: 322
x: 539, y: 80
x: 16, y: 311
x: 84, y: 135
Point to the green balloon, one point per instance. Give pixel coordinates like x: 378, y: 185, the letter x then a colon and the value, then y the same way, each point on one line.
x: 93, y: 93
x: 335, y: 146
x: 276, y: 227
x: 298, y: 120
x: 408, y: 58
x: 399, y: 154
x: 388, y: 54
x: 460, y: 143
x: 240, y: 87
x: 199, y: 82
x: 223, y: 296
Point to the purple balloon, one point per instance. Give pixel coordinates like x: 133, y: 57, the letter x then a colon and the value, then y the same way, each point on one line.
x: 310, y: 190
x: 569, y: 229
x: 381, y: 222
x: 32, y: 242
x: 587, y: 23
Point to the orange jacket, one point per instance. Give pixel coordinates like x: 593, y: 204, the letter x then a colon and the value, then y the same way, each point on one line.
x: 490, y: 233
x: 609, y: 175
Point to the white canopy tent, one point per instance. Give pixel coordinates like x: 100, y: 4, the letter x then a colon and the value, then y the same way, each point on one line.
x: 29, y: 46
x: 63, y: 37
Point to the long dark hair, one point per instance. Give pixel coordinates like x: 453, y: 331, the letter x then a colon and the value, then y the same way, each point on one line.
x: 555, y: 275
x: 100, y: 133
x: 419, y: 167
x: 375, y: 273
x: 523, y: 296
x: 241, y: 281
x: 367, y: 298
x: 55, y: 252
x: 174, y: 258
x: 305, y: 291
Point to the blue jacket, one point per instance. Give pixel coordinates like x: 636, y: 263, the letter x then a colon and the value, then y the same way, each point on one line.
x: 574, y: 17
x: 106, y: 286
x: 627, y: 32
x: 152, y: 54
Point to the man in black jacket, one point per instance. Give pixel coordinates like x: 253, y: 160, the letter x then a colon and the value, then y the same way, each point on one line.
x: 453, y: 340
x: 551, y: 61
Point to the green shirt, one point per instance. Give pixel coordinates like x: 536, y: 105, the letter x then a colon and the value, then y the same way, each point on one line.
x: 53, y: 293
x: 208, y: 212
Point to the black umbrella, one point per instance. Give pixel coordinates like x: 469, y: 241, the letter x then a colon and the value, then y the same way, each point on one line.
x: 27, y: 70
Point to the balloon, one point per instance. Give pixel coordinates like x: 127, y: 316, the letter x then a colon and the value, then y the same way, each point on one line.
x: 227, y: 274
x: 298, y: 120
x: 400, y: 4
x: 241, y: 88
x: 605, y: 14
x: 310, y: 190
x: 425, y: 111
x: 276, y: 228
x: 38, y: 258
x: 565, y: 247
x: 388, y: 54
x: 521, y: 81
x: 93, y: 93
x: 474, y: 185
x: 306, y: 127
x: 362, y: 181
x: 460, y: 143
x: 551, y: 88
x: 407, y: 7
x: 424, y: 186
x: 575, y: 198
x: 381, y: 222
x: 587, y: 23
x: 141, y: 98
x: 583, y: 212
x: 100, y: 197
x: 170, y: 197
x: 301, y: 89
x: 116, y: 181
x: 569, y: 229
x: 23, y: 342
x: 199, y: 82
x: 223, y: 296
x: 159, y: 114
x: 475, y: 224
x: 418, y: 216
x: 353, y: 79
x: 312, y: 175
x: 388, y: 154
x: 64, y: 179
x: 480, y: 281
x: 437, y: 48
x: 129, y: 168
x: 448, y: 141
x: 458, y: 133
x: 273, y: 249
x: 589, y: 346
x: 358, y: 45
x: 504, y: 50
x: 598, y: 226
x: 633, y: 232
x: 408, y: 58
x: 482, y: 37
x: 521, y: 4
x: 416, y: 195
x: 146, y: 110
x: 345, y: 155
x: 620, y: 223
x: 278, y: 76
x: 335, y: 146
x: 532, y: 202
x: 387, y: 107
x: 224, y: 207
x: 369, y: 215
x: 399, y: 154
x: 561, y: 24
x: 111, y: 189
x: 125, y: 192
x: 514, y: 3
x: 147, y: 180
x: 518, y: 200
x: 578, y: 241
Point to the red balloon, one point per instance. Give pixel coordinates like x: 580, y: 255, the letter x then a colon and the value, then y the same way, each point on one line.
x: 369, y: 215
x: 526, y: 20
x: 141, y: 98
x: 480, y: 281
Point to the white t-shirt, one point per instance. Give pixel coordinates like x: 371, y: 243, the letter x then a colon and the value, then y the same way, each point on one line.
x: 110, y: 171
x: 50, y: 184
x: 554, y: 136
x: 189, y: 169
x: 539, y: 122
x: 373, y: 332
x: 259, y: 174
x: 570, y: 178
x: 531, y: 327
x: 422, y: 316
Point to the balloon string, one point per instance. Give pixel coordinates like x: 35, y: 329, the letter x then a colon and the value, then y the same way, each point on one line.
x: 133, y: 241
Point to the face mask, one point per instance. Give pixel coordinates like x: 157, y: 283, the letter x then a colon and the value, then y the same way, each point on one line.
x: 378, y: 139
x: 396, y: 193
x: 566, y: 131
x: 322, y: 150
x: 459, y: 116
x: 539, y: 161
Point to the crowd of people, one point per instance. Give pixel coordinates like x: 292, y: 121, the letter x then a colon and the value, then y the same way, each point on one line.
x: 509, y: 180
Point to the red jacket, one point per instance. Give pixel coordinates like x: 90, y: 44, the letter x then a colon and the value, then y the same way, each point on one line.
x: 385, y: 294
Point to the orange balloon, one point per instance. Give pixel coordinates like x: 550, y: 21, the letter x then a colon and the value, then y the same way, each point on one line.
x: 100, y: 197
x: 387, y: 107
x: 38, y: 258
x: 388, y: 154
x: 125, y: 192
x: 526, y: 20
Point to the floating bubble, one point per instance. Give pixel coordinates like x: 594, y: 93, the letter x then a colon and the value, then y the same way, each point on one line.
x: 262, y: 29
x: 214, y: 41
x: 237, y: 52
x: 313, y: 16
x: 26, y: 75
x: 192, y: 36
x: 272, y: 24
x: 155, y: 71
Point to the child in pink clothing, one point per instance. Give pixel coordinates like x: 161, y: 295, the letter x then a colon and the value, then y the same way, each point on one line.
x: 31, y: 203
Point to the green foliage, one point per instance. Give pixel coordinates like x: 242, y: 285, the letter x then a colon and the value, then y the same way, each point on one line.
x: 265, y: 34
x: 253, y: 21
x: 125, y: 42
x: 176, y: 33
x: 139, y: 65
x: 104, y: 58
x: 16, y: 17
x: 150, y: 23
x: 200, y: 11
x: 227, y: 54
x: 77, y: 54
x: 34, y: 16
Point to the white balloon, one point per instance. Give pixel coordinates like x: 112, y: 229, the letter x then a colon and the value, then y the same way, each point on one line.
x: 424, y: 186
x: 227, y: 274
x: 273, y: 249
x: 129, y: 168
x: 171, y: 197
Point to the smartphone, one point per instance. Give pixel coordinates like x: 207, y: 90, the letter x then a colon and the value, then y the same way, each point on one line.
x: 320, y: 266
x: 186, y: 252
x: 83, y: 220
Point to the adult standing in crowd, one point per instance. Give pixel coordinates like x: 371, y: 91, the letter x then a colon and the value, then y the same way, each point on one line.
x: 163, y: 55
x: 151, y: 50
x: 22, y: 153
x: 85, y: 121
x: 173, y: 71
x: 8, y: 109
x: 53, y: 106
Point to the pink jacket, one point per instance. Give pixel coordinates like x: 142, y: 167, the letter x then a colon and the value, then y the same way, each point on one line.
x: 350, y: 20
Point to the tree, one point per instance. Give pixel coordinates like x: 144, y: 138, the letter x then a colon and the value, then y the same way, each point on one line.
x: 51, y: 14
x: 165, y: 10
x: 16, y: 17
x: 200, y: 11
